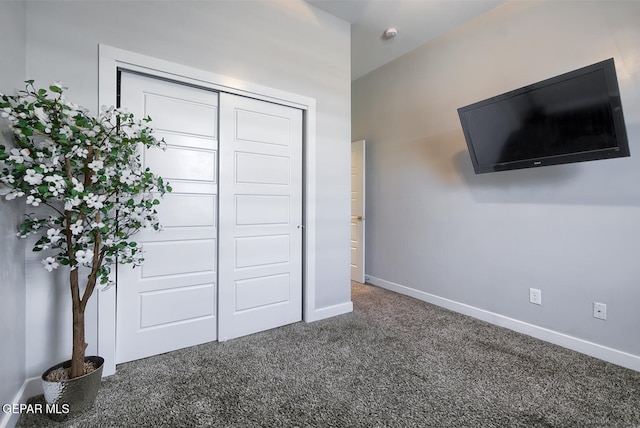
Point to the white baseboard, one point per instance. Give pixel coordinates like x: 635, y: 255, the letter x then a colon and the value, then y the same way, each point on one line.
x: 329, y: 311
x: 30, y: 388
x: 605, y: 353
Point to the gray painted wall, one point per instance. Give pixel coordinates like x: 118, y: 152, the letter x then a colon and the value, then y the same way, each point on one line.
x: 572, y: 231
x: 12, y: 283
x: 287, y: 45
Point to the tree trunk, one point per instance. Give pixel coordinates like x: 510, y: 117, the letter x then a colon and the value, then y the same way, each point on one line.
x: 79, y: 345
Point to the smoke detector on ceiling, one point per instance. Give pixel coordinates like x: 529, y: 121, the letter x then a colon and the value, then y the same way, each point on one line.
x: 389, y: 33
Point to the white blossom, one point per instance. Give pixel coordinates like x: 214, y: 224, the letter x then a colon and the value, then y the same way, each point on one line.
x: 66, y: 131
x: 33, y: 177
x: 32, y: 200
x: 96, y: 165
x: 20, y: 156
x: 46, y: 169
x: 14, y: 194
x: 41, y: 115
x: 53, y: 235
x: 95, y: 201
x: 77, y: 185
x: 79, y: 151
x: 8, y: 179
x: 76, y: 228
x: 84, y: 256
x: 138, y: 214
x: 56, y: 183
x: 71, y: 203
x: 127, y: 177
x: 95, y: 225
x: 50, y: 263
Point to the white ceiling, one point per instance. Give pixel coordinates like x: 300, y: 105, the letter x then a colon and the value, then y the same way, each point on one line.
x: 417, y: 22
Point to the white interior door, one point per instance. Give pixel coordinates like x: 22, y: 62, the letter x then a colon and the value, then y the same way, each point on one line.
x: 357, y: 210
x: 260, y: 249
x: 170, y: 301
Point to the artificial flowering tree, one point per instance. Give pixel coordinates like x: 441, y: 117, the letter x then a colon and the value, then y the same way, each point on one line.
x: 83, y: 175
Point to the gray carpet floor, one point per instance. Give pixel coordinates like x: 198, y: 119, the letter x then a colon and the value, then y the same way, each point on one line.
x: 393, y: 362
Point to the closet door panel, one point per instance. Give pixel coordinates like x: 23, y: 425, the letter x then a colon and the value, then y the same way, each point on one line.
x: 170, y: 302
x: 260, y: 256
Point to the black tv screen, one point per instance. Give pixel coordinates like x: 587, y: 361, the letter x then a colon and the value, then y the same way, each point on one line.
x: 574, y: 117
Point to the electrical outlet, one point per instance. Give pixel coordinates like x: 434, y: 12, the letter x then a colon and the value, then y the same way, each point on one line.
x: 599, y: 310
x: 535, y: 296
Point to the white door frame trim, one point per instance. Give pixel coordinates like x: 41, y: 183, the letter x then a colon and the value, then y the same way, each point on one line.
x: 111, y: 59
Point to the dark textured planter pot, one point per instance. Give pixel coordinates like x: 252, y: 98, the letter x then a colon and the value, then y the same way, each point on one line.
x: 73, y: 396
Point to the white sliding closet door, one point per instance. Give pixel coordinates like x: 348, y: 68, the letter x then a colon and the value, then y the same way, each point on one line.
x: 260, y: 248
x: 170, y: 301
x: 229, y: 260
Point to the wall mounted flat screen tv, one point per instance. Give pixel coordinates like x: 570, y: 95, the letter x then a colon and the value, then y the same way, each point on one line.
x: 574, y: 117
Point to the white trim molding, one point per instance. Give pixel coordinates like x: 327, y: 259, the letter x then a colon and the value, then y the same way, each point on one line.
x: 330, y: 311
x: 111, y: 60
x: 601, y: 352
x: 30, y: 388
